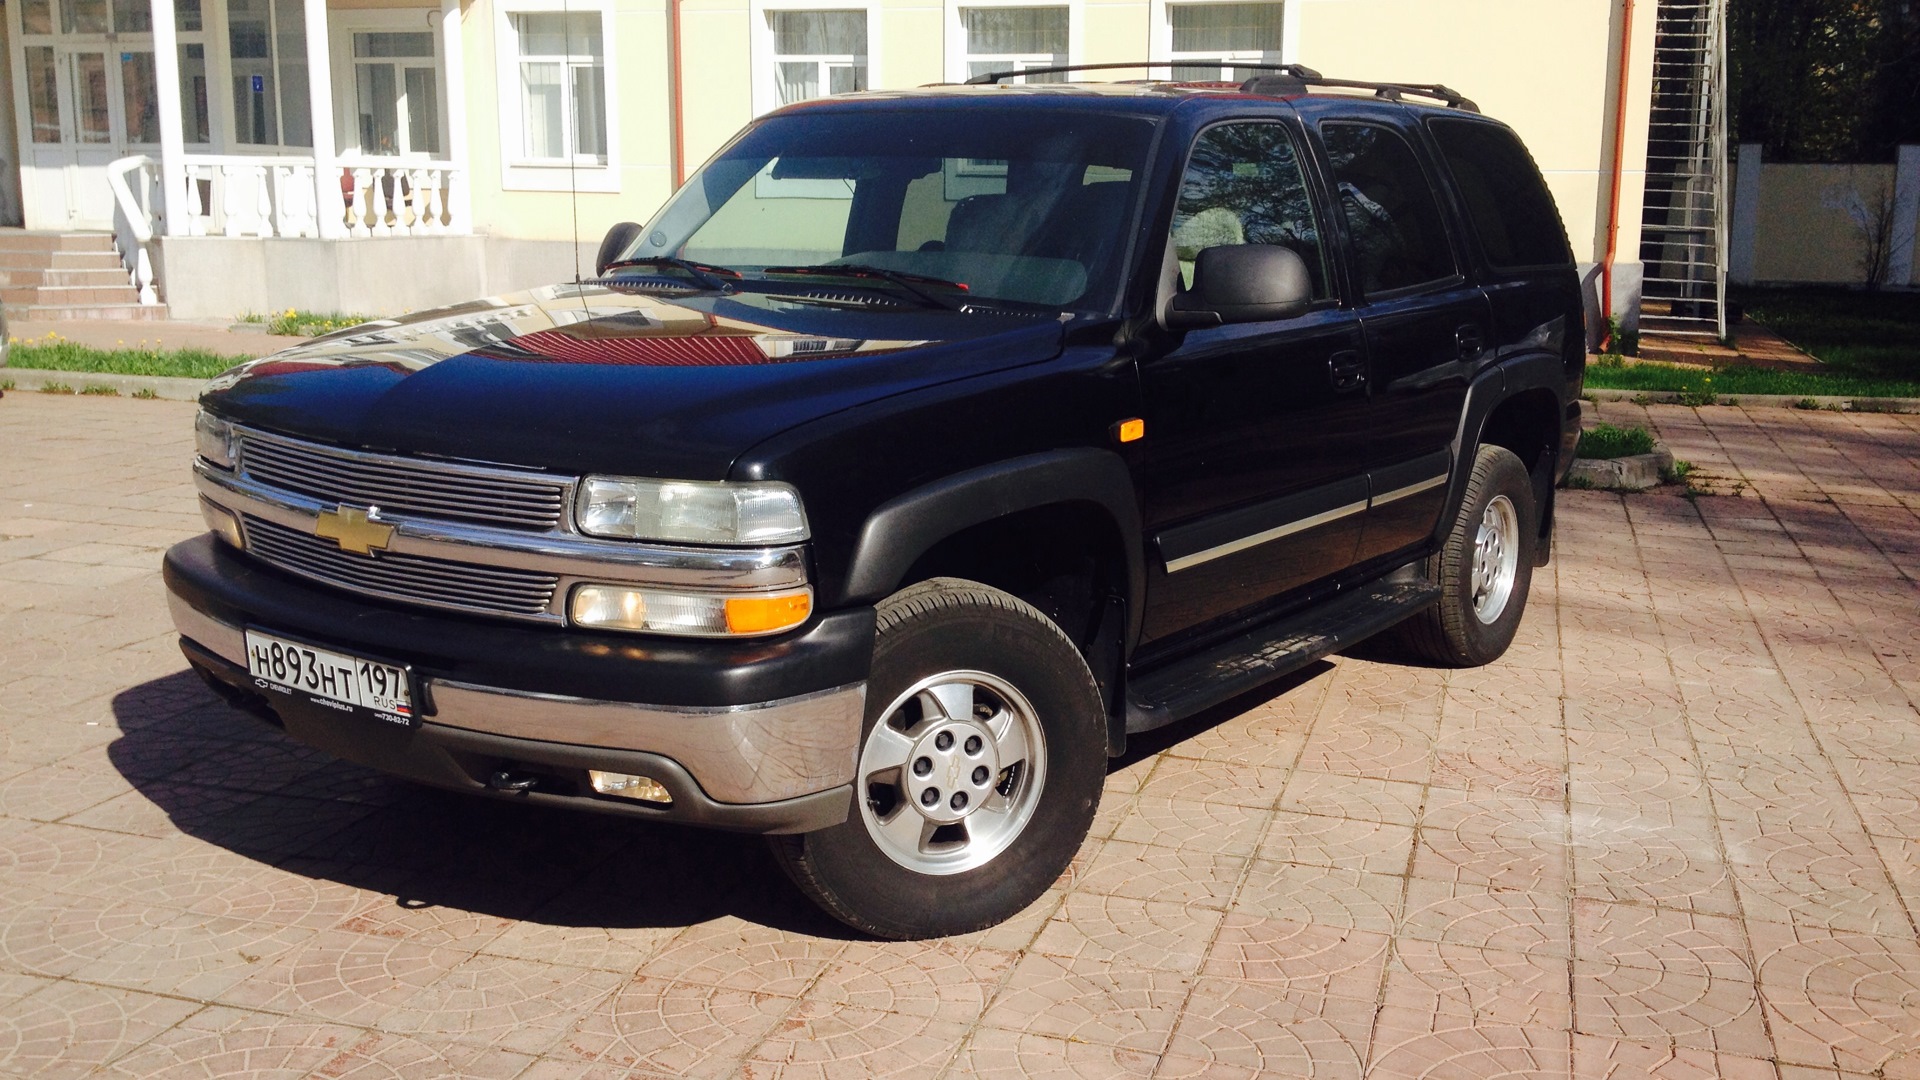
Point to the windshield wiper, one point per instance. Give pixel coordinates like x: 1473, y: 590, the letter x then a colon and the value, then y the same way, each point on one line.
x: 914, y: 284
x: 707, y: 276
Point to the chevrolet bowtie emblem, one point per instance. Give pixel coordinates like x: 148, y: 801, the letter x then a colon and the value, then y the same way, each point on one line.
x: 355, y: 529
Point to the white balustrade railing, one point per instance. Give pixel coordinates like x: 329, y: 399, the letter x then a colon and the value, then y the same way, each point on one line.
x: 135, y: 182
x: 230, y: 195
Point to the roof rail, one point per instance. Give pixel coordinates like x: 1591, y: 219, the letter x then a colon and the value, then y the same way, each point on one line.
x: 991, y: 77
x: 1288, y: 83
x: 1287, y: 79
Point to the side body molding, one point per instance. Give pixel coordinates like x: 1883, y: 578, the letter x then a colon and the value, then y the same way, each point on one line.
x: 1536, y: 371
x: 904, y: 528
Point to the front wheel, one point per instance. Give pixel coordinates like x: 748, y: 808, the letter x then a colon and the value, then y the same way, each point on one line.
x: 1483, y: 568
x: 979, y: 770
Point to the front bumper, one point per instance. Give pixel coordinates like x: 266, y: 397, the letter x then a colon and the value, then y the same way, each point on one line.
x: 756, y: 736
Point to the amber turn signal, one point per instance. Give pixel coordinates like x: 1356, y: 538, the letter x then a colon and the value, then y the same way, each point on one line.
x: 765, y: 614
x: 1130, y: 430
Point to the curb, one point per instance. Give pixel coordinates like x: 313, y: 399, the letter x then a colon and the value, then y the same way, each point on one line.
x: 1636, y: 472
x: 161, y: 386
x: 1829, y: 402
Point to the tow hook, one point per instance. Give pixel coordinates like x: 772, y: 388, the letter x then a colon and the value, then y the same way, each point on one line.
x: 506, y: 780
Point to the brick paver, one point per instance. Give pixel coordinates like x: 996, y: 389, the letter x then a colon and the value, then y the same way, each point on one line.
x: 1675, y: 833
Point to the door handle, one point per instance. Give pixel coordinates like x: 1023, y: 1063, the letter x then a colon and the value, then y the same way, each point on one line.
x: 1346, y: 370
x: 1470, y: 340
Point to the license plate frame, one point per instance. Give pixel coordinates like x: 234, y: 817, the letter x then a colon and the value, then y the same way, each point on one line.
x: 336, y: 677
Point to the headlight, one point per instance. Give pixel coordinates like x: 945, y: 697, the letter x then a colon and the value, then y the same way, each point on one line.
x: 625, y: 607
x: 690, y: 512
x: 213, y: 439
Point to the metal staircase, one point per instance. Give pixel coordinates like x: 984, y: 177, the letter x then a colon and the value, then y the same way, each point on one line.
x: 1683, y: 230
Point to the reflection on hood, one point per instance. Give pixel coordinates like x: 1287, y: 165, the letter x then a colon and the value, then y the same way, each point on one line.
x: 585, y: 324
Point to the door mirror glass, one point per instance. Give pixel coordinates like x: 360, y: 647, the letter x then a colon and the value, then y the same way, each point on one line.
x: 618, y: 240
x: 1235, y: 283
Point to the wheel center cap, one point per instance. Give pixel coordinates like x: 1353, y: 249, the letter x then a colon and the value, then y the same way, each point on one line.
x: 951, y: 771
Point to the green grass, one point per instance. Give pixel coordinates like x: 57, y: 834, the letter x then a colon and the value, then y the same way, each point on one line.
x: 1607, y: 441
x: 60, y: 355
x: 1701, y: 385
x: 1866, y: 335
x: 307, y: 323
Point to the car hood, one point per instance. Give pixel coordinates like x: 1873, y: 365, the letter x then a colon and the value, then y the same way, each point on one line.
x: 585, y: 378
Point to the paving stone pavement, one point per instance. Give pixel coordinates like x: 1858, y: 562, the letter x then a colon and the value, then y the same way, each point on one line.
x: 1674, y: 833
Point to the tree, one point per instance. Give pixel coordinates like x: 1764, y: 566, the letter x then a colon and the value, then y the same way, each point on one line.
x: 1824, y: 80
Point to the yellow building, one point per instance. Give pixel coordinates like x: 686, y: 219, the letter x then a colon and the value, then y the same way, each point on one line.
x: 372, y: 155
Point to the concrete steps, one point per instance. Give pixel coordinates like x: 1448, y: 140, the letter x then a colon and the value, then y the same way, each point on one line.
x: 67, y: 276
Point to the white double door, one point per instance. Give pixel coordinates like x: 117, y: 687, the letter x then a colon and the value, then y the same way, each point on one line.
x: 91, y: 99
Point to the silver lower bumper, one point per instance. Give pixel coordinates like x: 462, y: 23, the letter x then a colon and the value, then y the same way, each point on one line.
x: 759, y: 753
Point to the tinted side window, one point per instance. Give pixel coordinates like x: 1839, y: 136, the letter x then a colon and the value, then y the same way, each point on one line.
x: 1511, y: 211
x: 1398, y: 240
x: 1243, y: 186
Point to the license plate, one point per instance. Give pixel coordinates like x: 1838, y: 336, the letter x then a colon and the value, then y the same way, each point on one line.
x: 332, y: 680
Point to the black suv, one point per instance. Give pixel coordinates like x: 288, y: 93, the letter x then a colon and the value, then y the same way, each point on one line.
x: 922, y: 449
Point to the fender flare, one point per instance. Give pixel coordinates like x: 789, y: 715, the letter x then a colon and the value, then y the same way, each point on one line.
x: 1535, y: 371
x: 902, y: 529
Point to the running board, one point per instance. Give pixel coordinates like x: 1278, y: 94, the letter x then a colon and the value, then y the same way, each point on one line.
x: 1265, y: 653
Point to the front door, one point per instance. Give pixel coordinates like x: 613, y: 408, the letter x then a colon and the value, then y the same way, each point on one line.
x: 1251, y: 477
x: 91, y: 98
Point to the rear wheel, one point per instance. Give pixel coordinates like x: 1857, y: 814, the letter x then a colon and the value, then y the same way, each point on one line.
x: 979, y: 769
x: 1484, y: 568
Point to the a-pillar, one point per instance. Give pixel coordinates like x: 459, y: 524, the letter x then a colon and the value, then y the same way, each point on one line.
x: 166, y: 76
x: 328, y: 206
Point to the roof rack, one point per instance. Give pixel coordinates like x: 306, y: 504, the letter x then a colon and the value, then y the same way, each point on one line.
x: 1289, y: 83
x: 1287, y: 79
x: 991, y: 77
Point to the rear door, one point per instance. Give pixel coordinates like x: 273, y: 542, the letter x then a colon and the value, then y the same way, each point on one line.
x: 1425, y: 322
x: 1251, y: 477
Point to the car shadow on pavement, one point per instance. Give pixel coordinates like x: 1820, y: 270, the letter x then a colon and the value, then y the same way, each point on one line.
x: 226, y: 778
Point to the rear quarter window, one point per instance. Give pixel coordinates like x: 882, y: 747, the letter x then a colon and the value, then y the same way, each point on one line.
x: 1511, y: 211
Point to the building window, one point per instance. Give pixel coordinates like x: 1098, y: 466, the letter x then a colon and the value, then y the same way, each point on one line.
x: 396, y: 92
x: 1015, y: 39
x: 268, y: 43
x: 1209, y: 39
x: 561, y: 71
x: 817, y: 53
x: 194, y: 124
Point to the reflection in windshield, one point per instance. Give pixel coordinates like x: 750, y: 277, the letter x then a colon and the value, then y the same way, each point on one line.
x: 1018, y: 204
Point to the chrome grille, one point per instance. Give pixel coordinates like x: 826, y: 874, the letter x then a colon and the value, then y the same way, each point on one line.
x: 403, y: 487
x: 490, y: 590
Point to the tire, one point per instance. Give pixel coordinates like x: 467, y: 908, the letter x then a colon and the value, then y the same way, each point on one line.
x: 980, y: 766
x: 1483, y: 590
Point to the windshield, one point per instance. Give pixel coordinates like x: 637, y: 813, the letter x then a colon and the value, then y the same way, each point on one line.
x: 1020, y: 205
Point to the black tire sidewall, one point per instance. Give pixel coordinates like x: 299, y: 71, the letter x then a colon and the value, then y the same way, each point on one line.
x: 1496, y: 472
x: 1031, y: 654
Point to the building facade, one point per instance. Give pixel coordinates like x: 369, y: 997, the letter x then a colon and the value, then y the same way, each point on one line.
x: 373, y: 155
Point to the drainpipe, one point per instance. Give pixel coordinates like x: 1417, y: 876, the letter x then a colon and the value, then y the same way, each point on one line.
x: 677, y: 118
x: 1619, y: 150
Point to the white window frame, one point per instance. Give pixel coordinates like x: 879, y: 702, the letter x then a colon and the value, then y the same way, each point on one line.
x: 517, y: 173
x: 766, y: 89
x: 341, y: 26
x: 1160, y: 27
x: 957, y: 33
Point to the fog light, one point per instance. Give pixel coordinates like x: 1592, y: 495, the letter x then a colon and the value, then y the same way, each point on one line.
x: 623, y: 607
x: 224, y: 522
x: 628, y: 786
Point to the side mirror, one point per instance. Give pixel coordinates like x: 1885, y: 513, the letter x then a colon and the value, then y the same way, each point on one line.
x: 618, y: 240
x: 1243, y: 283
